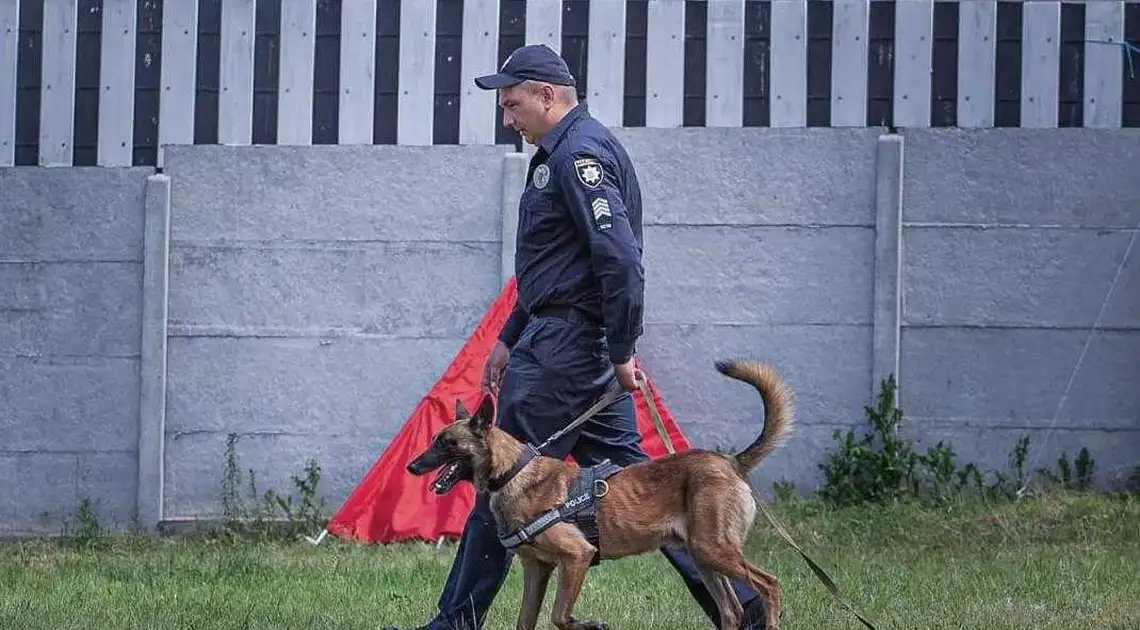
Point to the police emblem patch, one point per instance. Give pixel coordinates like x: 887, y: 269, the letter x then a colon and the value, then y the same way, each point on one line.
x: 541, y: 176
x: 589, y: 172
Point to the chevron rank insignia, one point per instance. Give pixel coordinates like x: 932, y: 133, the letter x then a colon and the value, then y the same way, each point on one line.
x: 603, y: 219
x: 589, y: 172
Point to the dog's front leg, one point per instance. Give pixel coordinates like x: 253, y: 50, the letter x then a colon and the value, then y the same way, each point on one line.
x: 536, y: 576
x: 575, y: 554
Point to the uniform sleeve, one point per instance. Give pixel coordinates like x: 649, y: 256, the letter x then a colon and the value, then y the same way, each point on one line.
x: 514, y: 325
x: 600, y: 213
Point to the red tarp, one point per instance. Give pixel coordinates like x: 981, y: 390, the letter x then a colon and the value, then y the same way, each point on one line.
x: 390, y: 505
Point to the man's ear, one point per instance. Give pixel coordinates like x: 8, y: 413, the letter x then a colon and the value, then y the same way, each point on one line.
x: 461, y: 410
x: 549, y: 95
x: 484, y: 416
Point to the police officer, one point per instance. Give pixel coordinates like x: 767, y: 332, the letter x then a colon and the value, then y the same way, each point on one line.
x: 577, y: 318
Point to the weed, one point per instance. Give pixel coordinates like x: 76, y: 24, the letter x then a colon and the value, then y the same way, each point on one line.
x: 881, y: 467
x: 89, y: 533
x: 784, y: 491
x: 306, y: 515
x: 270, y: 515
x: 1067, y: 477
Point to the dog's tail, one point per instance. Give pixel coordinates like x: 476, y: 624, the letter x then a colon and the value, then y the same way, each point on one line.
x: 778, y: 408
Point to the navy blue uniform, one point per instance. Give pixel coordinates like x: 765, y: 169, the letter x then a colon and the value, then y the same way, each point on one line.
x: 579, y: 312
x: 579, y: 235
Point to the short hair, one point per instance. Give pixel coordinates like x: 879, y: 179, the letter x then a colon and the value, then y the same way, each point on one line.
x: 564, y: 93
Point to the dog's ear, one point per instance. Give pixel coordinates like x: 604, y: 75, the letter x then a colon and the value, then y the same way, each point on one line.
x: 461, y: 410
x: 484, y: 416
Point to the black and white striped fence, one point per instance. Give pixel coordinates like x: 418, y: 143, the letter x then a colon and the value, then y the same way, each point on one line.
x: 107, y: 82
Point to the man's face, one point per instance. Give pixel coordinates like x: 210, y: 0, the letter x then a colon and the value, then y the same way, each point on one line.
x: 526, y: 109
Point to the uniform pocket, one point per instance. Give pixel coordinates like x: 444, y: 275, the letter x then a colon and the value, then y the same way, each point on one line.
x: 535, y: 214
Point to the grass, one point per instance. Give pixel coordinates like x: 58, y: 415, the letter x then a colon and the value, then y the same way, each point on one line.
x: 1061, y: 561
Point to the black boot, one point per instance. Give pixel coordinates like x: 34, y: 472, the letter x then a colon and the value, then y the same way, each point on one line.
x: 755, y: 615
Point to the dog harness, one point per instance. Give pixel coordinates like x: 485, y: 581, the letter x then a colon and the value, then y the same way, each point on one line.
x: 579, y: 508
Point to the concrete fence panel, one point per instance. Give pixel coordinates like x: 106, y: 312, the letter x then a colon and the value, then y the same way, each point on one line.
x: 70, y: 308
x: 315, y: 295
x: 1015, y: 246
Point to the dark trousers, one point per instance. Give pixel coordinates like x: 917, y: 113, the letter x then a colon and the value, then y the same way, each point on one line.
x: 558, y: 368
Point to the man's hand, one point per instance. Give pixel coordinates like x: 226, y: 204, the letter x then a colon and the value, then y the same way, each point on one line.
x: 627, y: 374
x: 494, y: 367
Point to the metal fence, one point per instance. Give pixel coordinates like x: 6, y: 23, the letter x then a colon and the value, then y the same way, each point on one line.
x: 108, y: 82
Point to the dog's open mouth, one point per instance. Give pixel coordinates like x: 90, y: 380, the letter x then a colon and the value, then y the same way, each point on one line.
x: 449, y: 474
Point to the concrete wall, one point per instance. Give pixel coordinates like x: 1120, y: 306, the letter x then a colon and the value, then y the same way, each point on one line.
x: 1013, y: 239
x: 315, y: 296
x: 70, y: 316
x: 306, y: 298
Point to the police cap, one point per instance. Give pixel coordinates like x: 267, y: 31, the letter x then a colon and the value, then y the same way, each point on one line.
x: 536, y: 62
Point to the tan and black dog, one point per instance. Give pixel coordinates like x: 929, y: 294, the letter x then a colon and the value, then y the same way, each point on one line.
x: 699, y: 500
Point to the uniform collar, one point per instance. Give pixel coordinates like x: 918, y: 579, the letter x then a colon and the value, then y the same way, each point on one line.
x: 552, y: 137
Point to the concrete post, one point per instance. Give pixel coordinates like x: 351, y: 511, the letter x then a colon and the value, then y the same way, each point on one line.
x: 888, y: 259
x: 514, y: 181
x: 152, y: 363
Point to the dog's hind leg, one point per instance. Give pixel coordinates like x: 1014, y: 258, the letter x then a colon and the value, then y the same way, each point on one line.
x: 536, y: 577
x: 772, y: 588
x: 720, y: 524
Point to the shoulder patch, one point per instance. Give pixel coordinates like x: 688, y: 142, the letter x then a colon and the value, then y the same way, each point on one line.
x: 589, y: 171
x: 603, y: 218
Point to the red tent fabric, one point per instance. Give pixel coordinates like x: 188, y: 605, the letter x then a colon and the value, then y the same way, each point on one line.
x: 390, y: 505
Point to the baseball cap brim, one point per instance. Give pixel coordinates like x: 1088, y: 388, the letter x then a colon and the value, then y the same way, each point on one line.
x: 497, y: 81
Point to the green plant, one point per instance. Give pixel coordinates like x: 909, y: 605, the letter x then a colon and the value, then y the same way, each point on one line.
x: 271, y: 514
x: 232, y: 508
x: 784, y: 491
x: 877, y: 467
x: 89, y: 533
x: 1076, y: 476
x: 882, y: 467
x: 307, y: 516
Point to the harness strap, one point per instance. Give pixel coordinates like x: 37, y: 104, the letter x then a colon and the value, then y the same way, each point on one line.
x: 580, y: 508
x: 532, y: 529
x: 591, y: 483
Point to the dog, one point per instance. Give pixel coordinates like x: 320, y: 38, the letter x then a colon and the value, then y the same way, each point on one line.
x: 699, y: 500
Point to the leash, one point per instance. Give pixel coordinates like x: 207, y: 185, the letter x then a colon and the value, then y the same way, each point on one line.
x: 818, y: 570
x: 653, y: 413
x: 614, y: 392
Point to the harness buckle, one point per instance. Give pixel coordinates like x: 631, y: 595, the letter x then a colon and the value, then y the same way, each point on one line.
x: 604, y: 486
